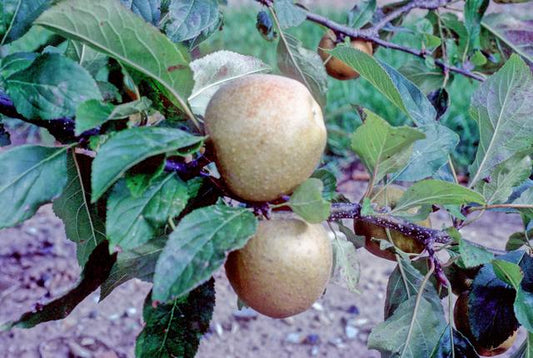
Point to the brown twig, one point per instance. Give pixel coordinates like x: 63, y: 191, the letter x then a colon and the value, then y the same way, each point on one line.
x: 405, y: 9
x: 420, y: 233
x: 371, y: 34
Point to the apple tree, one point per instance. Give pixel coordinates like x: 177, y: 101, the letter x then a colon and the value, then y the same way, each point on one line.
x: 166, y: 161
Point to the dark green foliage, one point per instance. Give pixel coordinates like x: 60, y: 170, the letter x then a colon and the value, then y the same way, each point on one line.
x: 174, y: 329
x: 460, y: 347
x: 490, y: 308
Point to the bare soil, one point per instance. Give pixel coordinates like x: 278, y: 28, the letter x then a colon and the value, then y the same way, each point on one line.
x: 37, y: 264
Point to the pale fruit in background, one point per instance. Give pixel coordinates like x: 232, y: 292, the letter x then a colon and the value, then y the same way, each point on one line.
x: 335, y: 67
x: 268, y: 134
x: 283, y: 269
x: 388, y: 196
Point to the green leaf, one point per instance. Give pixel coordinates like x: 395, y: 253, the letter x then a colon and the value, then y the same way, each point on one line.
x: 412, y: 331
x: 502, y: 106
x: 52, y: 87
x: 139, y: 181
x: 508, y: 272
x: 473, y: 12
x: 132, y: 221
x: 391, y: 83
x: 17, y: 17
x: 436, y: 192
x: 289, y: 14
x: 526, y: 198
x: 419, y: 108
x: 478, y: 59
x: 198, y: 246
x: 303, y: 65
x: 33, y: 40
x: 361, y: 13
x: 31, y: 176
x: 523, y: 304
x: 137, y: 263
x: 174, y: 329
x: 430, y: 153
x: 383, y: 149
x: 517, y: 240
x: 95, y: 272
x: 308, y: 203
x: 82, y: 223
x: 149, y: 10
x: 93, y: 113
x: 216, y: 69
x: 371, y: 70
x: 472, y: 256
x: 458, y: 347
x: 90, y: 59
x: 512, y: 31
x: 427, y: 79
x: 430, y: 42
x: 346, y: 266
x: 405, y: 282
x: 490, y: 306
x: 356, y: 240
x: 191, y: 21
x: 329, y: 181
x: 112, y: 29
x: 505, y: 176
x: 132, y: 146
x: 16, y: 62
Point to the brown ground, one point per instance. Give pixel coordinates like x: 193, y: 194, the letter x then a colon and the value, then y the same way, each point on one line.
x: 35, y: 258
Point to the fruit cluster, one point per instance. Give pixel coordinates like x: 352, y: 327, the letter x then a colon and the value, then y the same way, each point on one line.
x: 268, y: 135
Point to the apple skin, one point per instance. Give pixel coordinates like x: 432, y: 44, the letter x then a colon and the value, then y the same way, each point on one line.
x: 283, y: 269
x: 388, y: 197
x: 268, y: 135
x: 460, y: 317
x: 335, y: 67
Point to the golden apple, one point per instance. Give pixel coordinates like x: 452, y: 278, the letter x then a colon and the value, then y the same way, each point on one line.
x: 283, y: 269
x: 268, y: 135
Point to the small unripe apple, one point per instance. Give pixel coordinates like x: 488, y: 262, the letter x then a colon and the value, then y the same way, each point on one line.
x: 268, y: 135
x: 462, y: 324
x: 388, y: 196
x: 283, y: 269
x: 335, y: 67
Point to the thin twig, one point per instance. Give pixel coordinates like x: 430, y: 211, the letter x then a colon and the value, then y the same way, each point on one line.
x: 420, y: 233
x: 371, y: 34
x: 405, y: 9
